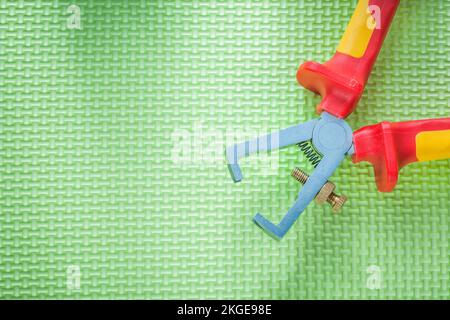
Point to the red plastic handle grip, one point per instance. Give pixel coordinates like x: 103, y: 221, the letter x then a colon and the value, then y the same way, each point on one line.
x: 341, y: 80
x: 391, y: 146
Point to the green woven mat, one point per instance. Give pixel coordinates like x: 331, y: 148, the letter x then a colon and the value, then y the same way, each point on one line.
x: 112, y: 178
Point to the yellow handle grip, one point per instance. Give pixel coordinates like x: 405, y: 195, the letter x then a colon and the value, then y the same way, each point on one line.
x: 433, y: 145
x: 359, y: 31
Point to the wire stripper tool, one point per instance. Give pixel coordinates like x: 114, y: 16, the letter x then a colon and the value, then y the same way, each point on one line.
x: 340, y: 82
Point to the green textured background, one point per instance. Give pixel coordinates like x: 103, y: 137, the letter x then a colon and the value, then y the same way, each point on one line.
x: 88, y: 177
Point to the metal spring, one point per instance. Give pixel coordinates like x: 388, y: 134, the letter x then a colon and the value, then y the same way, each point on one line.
x: 310, y: 152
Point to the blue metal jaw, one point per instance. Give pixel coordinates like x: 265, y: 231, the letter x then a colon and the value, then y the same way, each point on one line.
x: 331, y: 136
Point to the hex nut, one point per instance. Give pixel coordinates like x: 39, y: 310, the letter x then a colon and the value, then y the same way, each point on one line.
x: 325, y: 192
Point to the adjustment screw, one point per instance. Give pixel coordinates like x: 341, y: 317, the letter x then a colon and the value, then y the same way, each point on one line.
x: 325, y: 194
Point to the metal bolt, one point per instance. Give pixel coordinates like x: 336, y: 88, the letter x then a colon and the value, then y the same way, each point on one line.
x: 325, y: 194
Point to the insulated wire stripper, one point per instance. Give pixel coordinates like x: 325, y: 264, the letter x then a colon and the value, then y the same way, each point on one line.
x: 329, y: 139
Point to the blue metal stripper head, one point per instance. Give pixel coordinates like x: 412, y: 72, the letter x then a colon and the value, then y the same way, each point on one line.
x: 331, y: 136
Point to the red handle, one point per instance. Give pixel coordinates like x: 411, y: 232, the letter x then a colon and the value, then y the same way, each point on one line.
x: 341, y: 80
x: 391, y: 146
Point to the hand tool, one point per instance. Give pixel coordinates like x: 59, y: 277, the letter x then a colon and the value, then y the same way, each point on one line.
x: 327, y: 140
